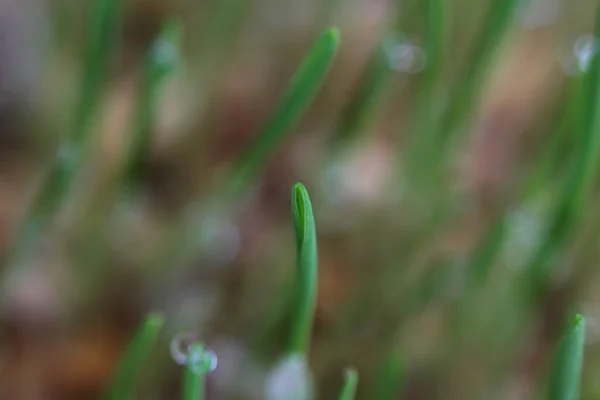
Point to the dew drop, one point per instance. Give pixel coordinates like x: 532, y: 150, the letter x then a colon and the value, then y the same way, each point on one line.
x: 404, y: 56
x: 181, y: 345
x: 165, y: 54
x: 187, y: 350
x: 201, y: 360
x: 584, y: 49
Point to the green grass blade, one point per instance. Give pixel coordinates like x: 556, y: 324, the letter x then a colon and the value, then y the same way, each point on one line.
x: 566, y: 377
x: 307, y: 270
x: 193, y: 382
x: 499, y: 19
x: 129, y: 370
x: 161, y: 61
x: 430, y: 78
x: 391, y: 378
x: 350, y: 383
x: 583, y: 175
x: 303, y: 88
x: 101, y: 44
x: 366, y: 100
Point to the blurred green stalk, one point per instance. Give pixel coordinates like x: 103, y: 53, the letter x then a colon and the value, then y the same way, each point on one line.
x: 160, y: 62
x: 566, y: 378
x: 101, y: 45
x: 348, y: 391
x: 390, y: 379
x: 129, y: 370
x: 573, y: 199
x: 302, y: 89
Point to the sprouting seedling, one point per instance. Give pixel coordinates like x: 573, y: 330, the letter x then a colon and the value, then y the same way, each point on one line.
x: 303, y: 87
x: 161, y: 61
x: 306, y: 272
x: 350, y: 383
x: 128, y: 372
x: 566, y: 377
x: 200, y: 362
x: 100, y: 47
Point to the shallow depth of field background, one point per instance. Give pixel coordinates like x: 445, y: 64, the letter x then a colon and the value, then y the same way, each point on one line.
x: 67, y: 315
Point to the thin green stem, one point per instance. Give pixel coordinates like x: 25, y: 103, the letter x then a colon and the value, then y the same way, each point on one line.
x: 101, y: 44
x: 161, y: 61
x: 348, y: 391
x: 301, y: 91
x: 129, y: 370
x: 306, y: 272
x: 566, y: 378
x: 578, y: 187
x: 464, y: 96
x: 390, y: 379
x: 193, y: 382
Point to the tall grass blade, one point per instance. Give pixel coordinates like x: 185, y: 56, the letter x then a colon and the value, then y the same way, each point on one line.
x: 129, y: 370
x: 583, y: 175
x: 566, y: 378
x: 160, y: 62
x: 391, y: 378
x: 366, y: 100
x: 498, y: 21
x: 101, y: 44
x: 302, y: 89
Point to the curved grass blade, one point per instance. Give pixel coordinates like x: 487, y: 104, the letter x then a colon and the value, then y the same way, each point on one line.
x: 302, y: 89
x: 131, y: 365
x: 307, y: 270
x: 350, y: 383
x: 566, y: 378
x: 161, y: 60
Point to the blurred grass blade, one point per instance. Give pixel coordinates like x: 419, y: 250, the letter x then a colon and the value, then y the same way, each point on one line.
x: 350, y: 383
x: 218, y: 32
x: 161, y: 60
x: 193, y: 382
x: 583, y: 175
x: 390, y: 380
x: 430, y: 78
x: 566, y: 378
x: 306, y: 273
x: 366, y: 100
x: 302, y: 89
x: 101, y: 45
x: 499, y: 19
x: 132, y: 363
